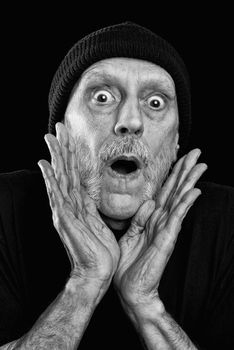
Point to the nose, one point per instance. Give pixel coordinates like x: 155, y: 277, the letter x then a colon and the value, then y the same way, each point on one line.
x: 129, y: 121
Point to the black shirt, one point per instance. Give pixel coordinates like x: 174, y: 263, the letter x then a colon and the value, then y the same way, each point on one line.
x: 197, y: 286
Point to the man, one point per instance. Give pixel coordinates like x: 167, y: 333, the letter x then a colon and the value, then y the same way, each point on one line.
x: 120, y: 109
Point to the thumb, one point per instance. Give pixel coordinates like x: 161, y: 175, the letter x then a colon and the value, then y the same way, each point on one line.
x: 137, y: 225
x: 142, y: 216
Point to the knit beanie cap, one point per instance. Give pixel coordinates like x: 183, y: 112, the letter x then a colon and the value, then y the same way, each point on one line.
x: 121, y: 40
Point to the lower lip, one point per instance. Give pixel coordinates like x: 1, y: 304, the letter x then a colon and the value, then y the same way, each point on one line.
x: 130, y: 176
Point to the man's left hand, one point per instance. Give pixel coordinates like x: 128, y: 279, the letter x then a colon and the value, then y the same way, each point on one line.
x: 148, y: 244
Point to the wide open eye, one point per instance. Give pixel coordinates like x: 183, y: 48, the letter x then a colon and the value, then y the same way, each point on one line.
x: 103, y: 97
x: 156, y: 102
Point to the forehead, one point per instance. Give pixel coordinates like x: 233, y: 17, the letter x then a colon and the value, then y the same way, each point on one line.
x: 132, y: 69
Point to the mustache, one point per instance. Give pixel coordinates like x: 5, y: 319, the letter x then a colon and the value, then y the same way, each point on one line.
x: 124, y: 146
x: 91, y: 167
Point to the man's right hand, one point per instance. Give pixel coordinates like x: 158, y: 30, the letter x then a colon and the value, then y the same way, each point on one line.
x: 91, y: 247
x: 90, y: 244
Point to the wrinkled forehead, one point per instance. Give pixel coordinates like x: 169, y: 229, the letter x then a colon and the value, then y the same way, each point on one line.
x: 131, y: 70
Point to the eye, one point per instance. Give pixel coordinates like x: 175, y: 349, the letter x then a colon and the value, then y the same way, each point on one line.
x: 103, y: 97
x: 156, y: 102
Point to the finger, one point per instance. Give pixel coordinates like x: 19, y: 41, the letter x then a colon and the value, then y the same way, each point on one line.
x: 55, y: 195
x: 68, y: 152
x: 68, y: 149
x: 58, y: 163
x: 56, y: 156
x: 159, y: 213
x: 170, y: 182
x: 189, y: 162
x: 180, y: 211
x: 189, y: 183
x: 73, y: 164
x: 53, y: 148
x: 54, y: 192
x: 56, y: 198
x: 141, y: 217
x: 181, y: 172
x: 165, y: 241
x: 73, y: 175
x: 89, y: 205
x: 63, y: 139
x: 137, y: 228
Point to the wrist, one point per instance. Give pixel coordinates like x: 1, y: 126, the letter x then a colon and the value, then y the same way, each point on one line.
x: 150, y: 311
x: 147, y: 311
x: 90, y: 290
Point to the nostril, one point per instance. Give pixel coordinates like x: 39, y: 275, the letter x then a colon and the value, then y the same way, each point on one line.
x: 138, y: 132
x: 124, y: 130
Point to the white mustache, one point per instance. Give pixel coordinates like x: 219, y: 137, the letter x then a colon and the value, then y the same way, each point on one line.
x: 127, y: 145
x: 91, y: 168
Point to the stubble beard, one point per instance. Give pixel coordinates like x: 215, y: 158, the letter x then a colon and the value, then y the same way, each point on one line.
x: 155, y: 172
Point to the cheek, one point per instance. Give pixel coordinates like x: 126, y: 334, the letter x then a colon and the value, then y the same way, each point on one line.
x: 101, y: 122
x: 158, y: 135
x: 93, y: 124
x: 101, y: 126
x: 77, y: 125
x: 76, y: 119
x: 93, y: 129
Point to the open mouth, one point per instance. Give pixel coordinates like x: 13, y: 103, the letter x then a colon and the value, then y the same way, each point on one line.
x: 125, y: 166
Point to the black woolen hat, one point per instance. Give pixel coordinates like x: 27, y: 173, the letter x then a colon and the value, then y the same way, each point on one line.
x: 121, y: 40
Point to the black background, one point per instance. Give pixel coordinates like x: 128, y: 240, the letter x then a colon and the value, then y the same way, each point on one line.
x: 35, y: 39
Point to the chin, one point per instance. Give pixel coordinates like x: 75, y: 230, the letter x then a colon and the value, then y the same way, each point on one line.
x: 120, y: 206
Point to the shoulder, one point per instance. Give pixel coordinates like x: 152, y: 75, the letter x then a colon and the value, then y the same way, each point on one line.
x: 211, y: 217
x: 215, y: 199
x: 19, y: 178
x: 216, y: 193
x: 21, y: 191
x: 203, y: 261
x: 20, y: 182
x: 210, y: 221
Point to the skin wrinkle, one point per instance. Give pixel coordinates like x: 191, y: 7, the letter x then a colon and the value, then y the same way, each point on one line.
x: 92, y: 73
x: 105, y: 79
x: 97, y: 126
x: 96, y: 130
x: 165, y: 83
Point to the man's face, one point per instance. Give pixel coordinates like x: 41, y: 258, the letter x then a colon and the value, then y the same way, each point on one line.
x: 123, y: 116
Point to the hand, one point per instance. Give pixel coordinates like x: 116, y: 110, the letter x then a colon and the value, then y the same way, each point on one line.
x: 91, y: 246
x: 148, y: 244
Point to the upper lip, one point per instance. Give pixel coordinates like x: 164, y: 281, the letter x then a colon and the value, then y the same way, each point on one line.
x: 133, y: 158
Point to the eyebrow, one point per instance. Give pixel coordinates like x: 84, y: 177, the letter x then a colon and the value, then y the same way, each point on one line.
x: 163, y: 85
x: 101, y: 76
x: 160, y: 85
